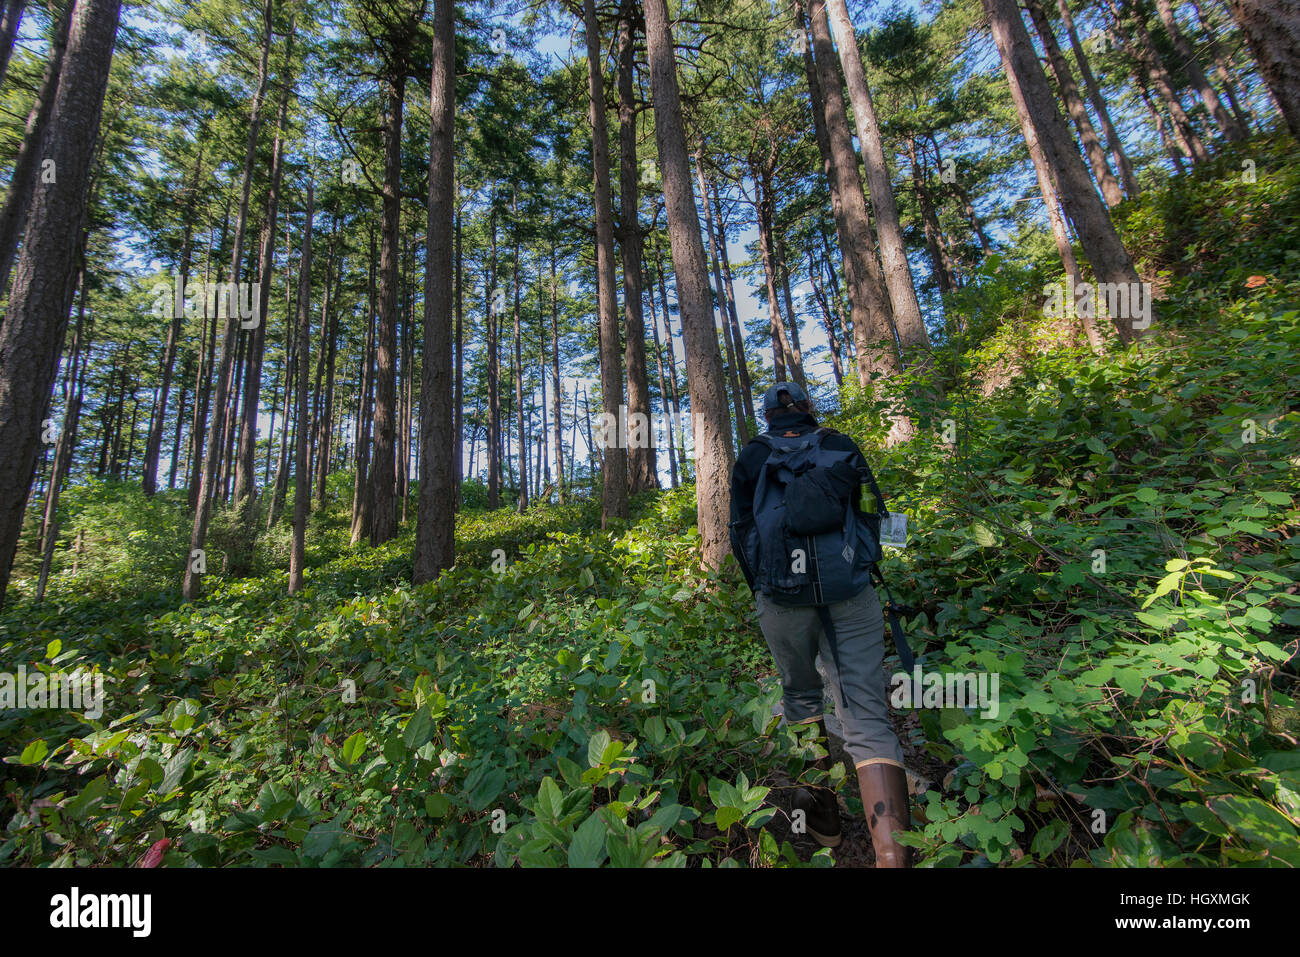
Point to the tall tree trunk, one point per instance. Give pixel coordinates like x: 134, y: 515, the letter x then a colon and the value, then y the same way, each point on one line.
x: 872, y: 314
x: 893, y: 253
x: 1171, y: 148
x: 361, y: 501
x: 31, y: 340
x: 714, y: 453
x: 329, y: 344
x: 180, y: 423
x: 614, y: 471
x: 13, y: 13
x: 1189, y: 141
x: 737, y: 337
x: 828, y: 322
x: 821, y: 134
x: 458, y: 432
x: 1041, y: 120
x: 73, y: 396
x: 557, y: 393
x: 207, y: 485
x: 1110, y: 190
x: 764, y: 210
x: 207, y: 358
x: 664, y: 399
x: 642, y: 467
x: 435, y: 545
x: 1122, y: 162
x: 939, y: 262
x: 383, y: 504
x: 1230, y: 92
x: 1272, y: 31
x: 493, y: 366
x: 245, y: 475
x: 153, y: 447
x: 680, y: 468
x: 833, y: 279
x: 796, y: 350
x: 301, y: 470
x: 23, y: 178
x: 963, y: 195
x: 521, y: 501
x: 1224, y: 120
x: 735, y: 355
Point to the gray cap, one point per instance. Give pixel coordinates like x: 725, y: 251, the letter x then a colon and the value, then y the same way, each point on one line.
x: 772, y: 397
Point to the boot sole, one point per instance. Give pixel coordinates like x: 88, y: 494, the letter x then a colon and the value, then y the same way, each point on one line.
x: 826, y: 840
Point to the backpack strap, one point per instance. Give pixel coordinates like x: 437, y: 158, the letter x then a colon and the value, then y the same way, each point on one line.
x: 894, y: 611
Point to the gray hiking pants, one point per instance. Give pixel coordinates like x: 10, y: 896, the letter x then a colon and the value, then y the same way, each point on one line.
x: 795, y: 636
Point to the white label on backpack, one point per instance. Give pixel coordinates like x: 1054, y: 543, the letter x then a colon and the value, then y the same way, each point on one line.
x: 893, y: 530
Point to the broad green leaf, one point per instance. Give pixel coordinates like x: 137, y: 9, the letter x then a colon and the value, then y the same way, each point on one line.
x: 588, y: 846
x: 596, y: 746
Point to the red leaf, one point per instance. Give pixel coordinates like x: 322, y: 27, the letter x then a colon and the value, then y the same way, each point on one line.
x: 153, y: 857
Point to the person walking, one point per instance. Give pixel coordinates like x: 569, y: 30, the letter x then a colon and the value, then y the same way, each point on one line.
x: 808, y: 552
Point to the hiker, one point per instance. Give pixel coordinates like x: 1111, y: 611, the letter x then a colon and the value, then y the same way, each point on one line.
x: 807, y: 551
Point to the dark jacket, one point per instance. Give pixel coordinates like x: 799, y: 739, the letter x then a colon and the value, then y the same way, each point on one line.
x: 744, y: 477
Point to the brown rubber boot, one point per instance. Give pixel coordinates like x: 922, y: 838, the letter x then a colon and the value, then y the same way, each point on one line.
x: 820, y: 805
x: 884, y: 798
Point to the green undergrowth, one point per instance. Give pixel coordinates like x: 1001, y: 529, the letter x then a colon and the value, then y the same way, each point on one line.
x: 1114, y: 537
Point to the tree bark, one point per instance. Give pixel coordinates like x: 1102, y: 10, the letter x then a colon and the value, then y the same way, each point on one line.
x: 1272, y: 31
x: 203, y: 508
x: 493, y: 365
x: 735, y: 355
x: 664, y: 401
x: 361, y: 486
x: 301, y: 470
x: 1189, y: 141
x: 828, y: 323
x: 329, y: 345
x: 1224, y: 120
x: 31, y: 340
x: 872, y: 314
x: 1106, y: 180
x: 517, y: 373
x: 738, y: 338
x: 1042, y: 121
x: 893, y: 252
x: 1122, y: 162
x: 74, y: 394
x: 383, y: 502
x: 642, y: 467
x: 614, y: 471
x: 13, y: 13
x: 245, y: 475
x: 153, y: 447
x: 23, y: 178
x: 458, y: 432
x: 764, y: 211
x: 557, y: 396
x: 435, y: 544
x: 939, y: 262
x: 714, y: 454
